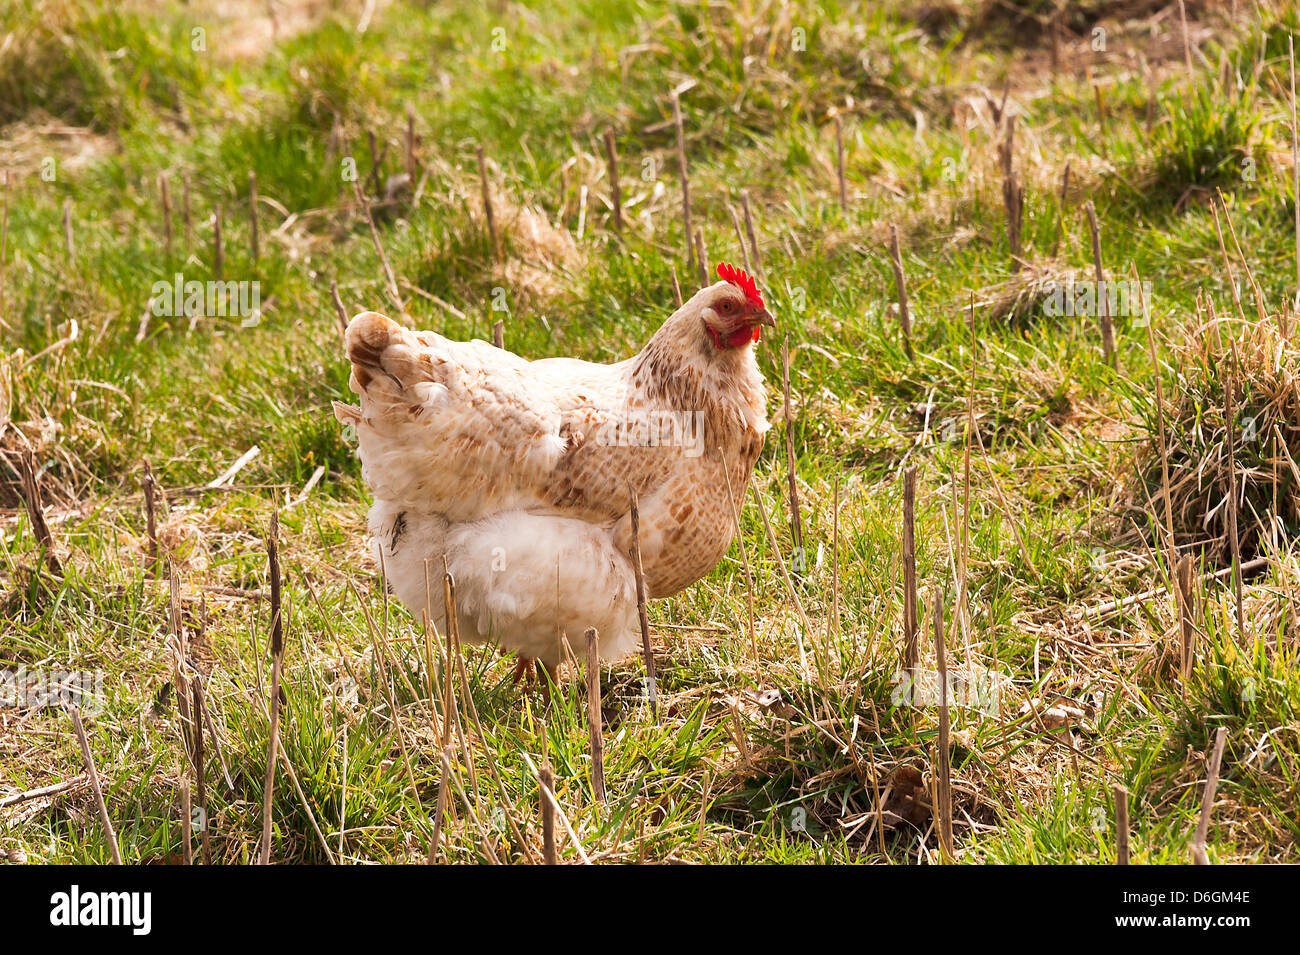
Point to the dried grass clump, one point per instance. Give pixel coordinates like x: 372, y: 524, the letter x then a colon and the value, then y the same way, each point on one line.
x: 250, y: 29
x: 27, y: 146
x: 37, y: 436
x: 182, y: 541
x: 1019, y: 299
x: 1265, y: 366
x: 536, y: 257
x: 546, y: 255
x: 1024, y: 21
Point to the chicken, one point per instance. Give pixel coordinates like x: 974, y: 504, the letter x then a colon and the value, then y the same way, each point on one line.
x: 521, y: 473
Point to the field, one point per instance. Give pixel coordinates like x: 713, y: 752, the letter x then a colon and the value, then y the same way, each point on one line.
x: 1103, y: 529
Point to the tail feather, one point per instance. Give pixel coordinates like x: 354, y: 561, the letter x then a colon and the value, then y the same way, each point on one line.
x: 383, y: 351
x: 453, y: 427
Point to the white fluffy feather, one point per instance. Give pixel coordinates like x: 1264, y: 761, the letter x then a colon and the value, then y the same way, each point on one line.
x: 522, y: 580
x: 488, y: 461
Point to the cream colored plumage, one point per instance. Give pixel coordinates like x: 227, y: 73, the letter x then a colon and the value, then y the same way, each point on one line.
x: 520, y: 473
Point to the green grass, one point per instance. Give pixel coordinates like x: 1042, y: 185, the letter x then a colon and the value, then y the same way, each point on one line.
x: 716, y: 777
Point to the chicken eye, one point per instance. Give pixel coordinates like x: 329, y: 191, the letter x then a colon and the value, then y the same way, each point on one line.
x: 726, y: 306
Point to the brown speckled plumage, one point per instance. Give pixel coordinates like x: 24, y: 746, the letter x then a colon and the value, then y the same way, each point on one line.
x: 466, y: 445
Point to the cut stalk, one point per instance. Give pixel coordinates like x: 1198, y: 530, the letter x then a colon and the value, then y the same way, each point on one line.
x: 684, y: 177
x: 911, y: 653
x: 615, y: 193
x: 95, y: 786
x: 753, y: 236
x: 167, y: 213
x: 277, y: 660
x: 1121, y: 825
x: 68, y: 244
x: 900, y: 282
x: 594, y: 719
x: 943, y: 762
x: 792, y: 482
x: 1234, y: 542
x: 646, y: 650
x: 254, y: 239
x: 839, y: 163
x: 149, y: 487
x: 1199, y: 854
x: 488, y: 214
x: 1103, y: 306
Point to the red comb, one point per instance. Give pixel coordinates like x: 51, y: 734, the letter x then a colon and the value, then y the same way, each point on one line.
x: 743, y: 281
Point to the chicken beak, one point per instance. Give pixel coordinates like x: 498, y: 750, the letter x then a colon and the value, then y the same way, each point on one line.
x: 765, y: 318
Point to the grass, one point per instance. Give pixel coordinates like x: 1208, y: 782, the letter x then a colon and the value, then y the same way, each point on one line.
x: 752, y: 757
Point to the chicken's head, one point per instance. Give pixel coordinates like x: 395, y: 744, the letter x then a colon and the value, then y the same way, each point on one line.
x: 732, y: 310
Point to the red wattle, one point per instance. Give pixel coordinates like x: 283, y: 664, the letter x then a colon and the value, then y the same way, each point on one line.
x: 741, y: 336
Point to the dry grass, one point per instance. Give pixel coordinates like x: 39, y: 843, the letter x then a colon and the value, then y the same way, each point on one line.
x: 1263, y: 362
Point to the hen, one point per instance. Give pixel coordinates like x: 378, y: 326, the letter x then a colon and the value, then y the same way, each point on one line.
x: 521, y: 473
